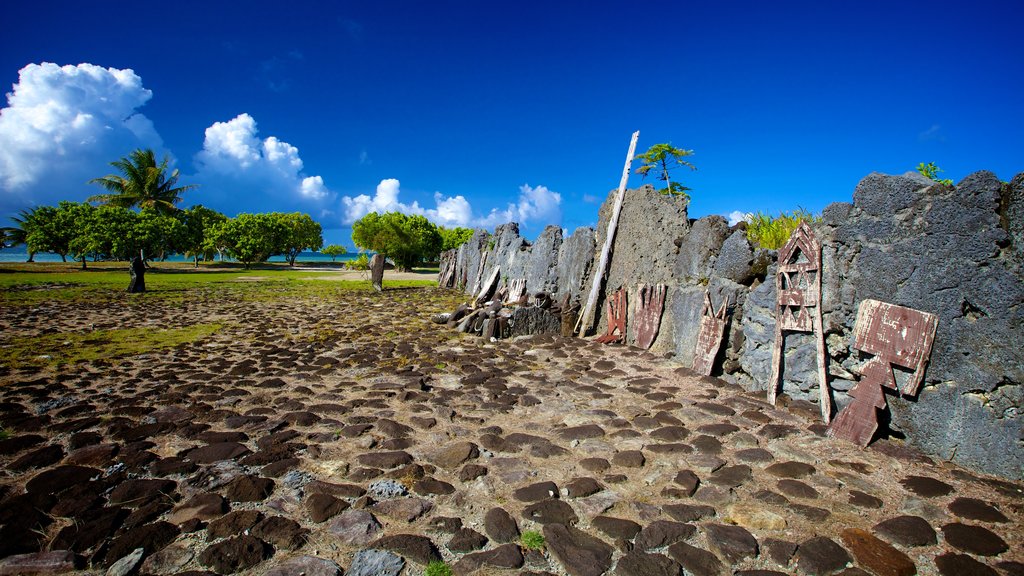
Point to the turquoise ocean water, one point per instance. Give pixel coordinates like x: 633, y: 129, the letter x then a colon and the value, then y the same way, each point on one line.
x: 19, y: 255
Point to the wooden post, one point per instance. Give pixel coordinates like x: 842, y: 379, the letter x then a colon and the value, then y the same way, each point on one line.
x: 587, y: 317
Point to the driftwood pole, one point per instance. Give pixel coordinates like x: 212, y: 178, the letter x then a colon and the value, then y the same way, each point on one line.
x: 587, y: 317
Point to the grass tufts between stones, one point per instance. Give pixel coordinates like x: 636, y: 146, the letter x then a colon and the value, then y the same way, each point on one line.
x: 64, y: 348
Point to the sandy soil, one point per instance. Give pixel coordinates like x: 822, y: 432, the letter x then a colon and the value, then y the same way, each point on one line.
x: 311, y: 430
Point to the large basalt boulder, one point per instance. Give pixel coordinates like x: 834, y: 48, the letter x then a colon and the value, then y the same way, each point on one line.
x: 541, y: 271
x: 575, y: 262
x: 948, y: 251
x: 643, y: 251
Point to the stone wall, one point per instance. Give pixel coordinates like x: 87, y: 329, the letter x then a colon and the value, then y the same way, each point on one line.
x: 956, y: 252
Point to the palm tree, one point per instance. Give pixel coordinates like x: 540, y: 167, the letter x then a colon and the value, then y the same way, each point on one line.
x: 143, y: 183
x: 17, y: 235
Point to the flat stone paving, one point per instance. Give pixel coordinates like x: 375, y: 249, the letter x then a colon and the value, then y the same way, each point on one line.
x: 311, y: 436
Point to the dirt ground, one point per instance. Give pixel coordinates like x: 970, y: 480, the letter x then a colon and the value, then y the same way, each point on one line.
x: 312, y: 430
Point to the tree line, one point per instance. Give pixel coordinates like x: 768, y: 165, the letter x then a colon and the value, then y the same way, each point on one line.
x: 138, y: 215
x: 114, y: 230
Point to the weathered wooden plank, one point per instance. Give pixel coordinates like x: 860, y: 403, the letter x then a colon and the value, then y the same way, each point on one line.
x: 616, y: 306
x: 894, y: 335
x: 709, y: 339
x: 587, y: 317
x: 798, y: 307
x: 649, y: 307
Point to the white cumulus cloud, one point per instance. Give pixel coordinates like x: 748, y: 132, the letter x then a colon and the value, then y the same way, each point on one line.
x: 239, y: 170
x: 63, y: 125
x: 735, y: 217
x: 534, y: 205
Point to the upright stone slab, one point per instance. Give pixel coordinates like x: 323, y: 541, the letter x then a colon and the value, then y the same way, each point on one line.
x: 377, y: 272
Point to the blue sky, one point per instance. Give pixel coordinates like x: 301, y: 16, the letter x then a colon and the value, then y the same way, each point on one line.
x: 478, y: 112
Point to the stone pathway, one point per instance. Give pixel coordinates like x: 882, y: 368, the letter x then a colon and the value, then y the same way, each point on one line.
x: 315, y: 436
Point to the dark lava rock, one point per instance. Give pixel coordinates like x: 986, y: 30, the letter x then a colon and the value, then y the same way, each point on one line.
x: 56, y: 480
x: 876, y: 555
x: 925, y: 486
x: 973, y: 539
x: 136, y: 491
x: 907, y: 531
x: 306, y: 566
x: 500, y: 526
x: 405, y: 509
x: 413, y: 547
x: 595, y: 465
x: 446, y: 524
x: 688, y: 512
x: 471, y: 472
x: 536, y: 492
x: 432, y: 486
x: 754, y: 455
x: 780, y: 551
x: 812, y: 513
x: 670, y: 433
x: 688, y: 481
x: 18, y: 443
x: 281, y: 532
x: 204, y: 506
x: 581, y: 432
x: 216, y: 452
x: 466, y: 540
x: 233, y: 523
x: 150, y: 537
x: 38, y: 458
x: 321, y: 507
x: 797, y: 489
x: 235, y: 554
x: 579, y: 553
x: 616, y: 528
x: 974, y: 509
x: 730, y: 476
x: 338, y: 490
x: 249, y: 489
x: 550, y: 512
x: 662, y: 533
x: 864, y: 500
x: 707, y: 444
x: 354, y: 527
x: 454, y: 455
x: 505, y: 556
x: 93, y: 455
x: 92, y: 528
x: 582, y: 487
x: 696, y: 561
x: 54, y: 562
x: 638, y: 563
x: 629, y: 459
x: 733, y: 543
x: 950, y: 564
x: 790, y: 469
x: 385, y: 460
x: 820, y: 556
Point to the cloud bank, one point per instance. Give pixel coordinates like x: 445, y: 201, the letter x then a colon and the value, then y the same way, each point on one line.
x: 534, y: 205
x: 735, y: 217
x: 236, y: 168
x: 63, y: 125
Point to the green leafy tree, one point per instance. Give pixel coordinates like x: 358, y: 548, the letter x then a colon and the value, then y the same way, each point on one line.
x: 663, y: 159
x: 334, y: 250
x: 251, y: 238
x: 53, y: 229
x: 301, y: 232
x: 454, y: 237
x: 197, y: 237
x: 108, y: 232
x: 931, y: 171
x: 155, y: 233
x: 405, y: 240
x: 143, y: 183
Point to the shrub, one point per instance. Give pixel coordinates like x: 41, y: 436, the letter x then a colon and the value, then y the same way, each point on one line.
x: 767, y: 232
x: 360, y: 263
x: 531, y: 540
x: 438, y: 568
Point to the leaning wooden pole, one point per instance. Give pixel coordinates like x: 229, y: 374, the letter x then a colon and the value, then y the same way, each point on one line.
x: 587, y: 317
